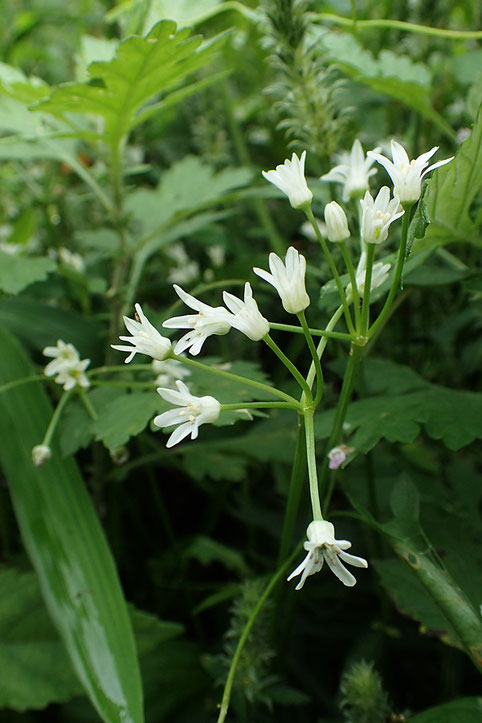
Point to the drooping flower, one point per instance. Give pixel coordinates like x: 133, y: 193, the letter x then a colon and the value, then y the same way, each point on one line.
x: 288, y: 279
x: 378, y: 214
x: 289, y: 177
x: 379, y: 276
x: 338, y: 454
x: 40, y: 454
x: 245, y: 315
x: 168, y: 372
x: 145, y: 338
x: 193, y: 412
x: 322, y: 547
x: 336, y: 223
x: 209, y: 320
x: 66, y: 366
x: 354, y: 171
x: 407, y: 175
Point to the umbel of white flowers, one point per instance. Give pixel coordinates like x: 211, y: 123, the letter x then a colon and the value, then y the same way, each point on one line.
x: 288, y: 279
x: 354, y: 171
x: 145, y: 338
x: 289, y: 177
x: 407, y: 175
x: 321, y: 547
x: 66, y: 366
x: 193, y: 412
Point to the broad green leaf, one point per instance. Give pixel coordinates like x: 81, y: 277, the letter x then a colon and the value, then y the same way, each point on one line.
x: 35, y: 667
x: 18, y: 272
x: 206, y: 551
x: 126, y: 416
x: 91, y: 49
x: 463, y: 710
x: 77, y: 428
x: 65, y: 542
x: 142, y: 68
x: 214, y: 463
x: 451, y: 193
x: 390, y: 74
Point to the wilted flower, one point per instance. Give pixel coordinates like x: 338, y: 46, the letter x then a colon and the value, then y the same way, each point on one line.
x: 378, y: 214
x: 66, y: 365
x: 193, y: 412
x: 338, y: 454
x: 289, y: 177
x: 353, y: 171
x: 322, y: 547
x: 245, y: 315
x: 207, y: 321
x: 40, y: 454
x: 288, y: 279
x: 145, y: 338
x: 379, y: 276
x: 336, y: 223
x: 407, y: 175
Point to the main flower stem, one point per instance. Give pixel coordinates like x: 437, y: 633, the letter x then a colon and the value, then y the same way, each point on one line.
x: 334, y: 271
x: 289, y: 365
x: 236, y: 378
x: 397, y: 275
x: 311, y: 460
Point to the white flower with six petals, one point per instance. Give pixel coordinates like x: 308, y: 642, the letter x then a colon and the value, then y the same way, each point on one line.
x: 378, y: 214
x: 322, y: 547
x: 407, y: 175
x: 145, y: 338
x: 288, y: 279
x: 289, y: 177
x: 66, y: 365
x: 354, y: 171
x: 207, y: 321
x: 193, y: 412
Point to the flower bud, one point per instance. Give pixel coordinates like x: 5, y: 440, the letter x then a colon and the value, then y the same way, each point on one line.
x: 336, y: 223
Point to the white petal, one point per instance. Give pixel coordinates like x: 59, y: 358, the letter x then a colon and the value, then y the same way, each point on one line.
x: 353, y: 559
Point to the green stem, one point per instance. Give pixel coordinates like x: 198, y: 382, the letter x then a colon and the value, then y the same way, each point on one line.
x: 289, y: 365
x: 314, y: 332
x: 340, y: 414
x: 25, y: 380
x: 119, y: 368
x: 322, y: 345
x: 56, y: 416
x: 247, y: 629
x: 365, y: 316
x: 311, y: 460
x: 316, y: 359
x: 88, y: 405
x: 399, y: 25
x: 351, y: 272
x: 397, y: 275
x: 258, y: 405
x: 236, y: 378
x: 334, y: 271
x: 297, y: 479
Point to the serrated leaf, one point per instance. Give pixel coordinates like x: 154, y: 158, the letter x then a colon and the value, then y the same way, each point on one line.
x: 65, y: 542
x: 463, y: 710
x: 142, y: 68
x: 125, y: 416
x: 18, y: 272
x: 391, y: 74
x: 451, y: 192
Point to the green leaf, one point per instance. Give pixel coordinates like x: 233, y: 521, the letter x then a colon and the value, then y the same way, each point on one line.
x: 205, y: 550
x: 18, y: 272
x: 142, y: 68
x: 126, y: 416
x: 405, y: 501
x: 391, y: 74
x: 65, y: 542
x: 463, y: 710
x: 451, y: 192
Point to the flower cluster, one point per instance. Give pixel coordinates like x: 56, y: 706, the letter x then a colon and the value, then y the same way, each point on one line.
x: 66, y: 366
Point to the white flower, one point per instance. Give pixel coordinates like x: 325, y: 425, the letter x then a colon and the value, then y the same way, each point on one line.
x: 407, y: 175
x: 168, y: 372
x: 193, y: 412
x: 353, y: 171
x: 40, y: 454
x: 337, y: 455
x: 289, y: 177
x: 288, y: 279
x: 66, y: 366
x: 207, y: 321
x: 378, y: 214
x: 336, y: 223
x: 245, y: 315
x: 322, y: 547
x: 379, y: 276
x: 145, y: 338
x: 185, y: 269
